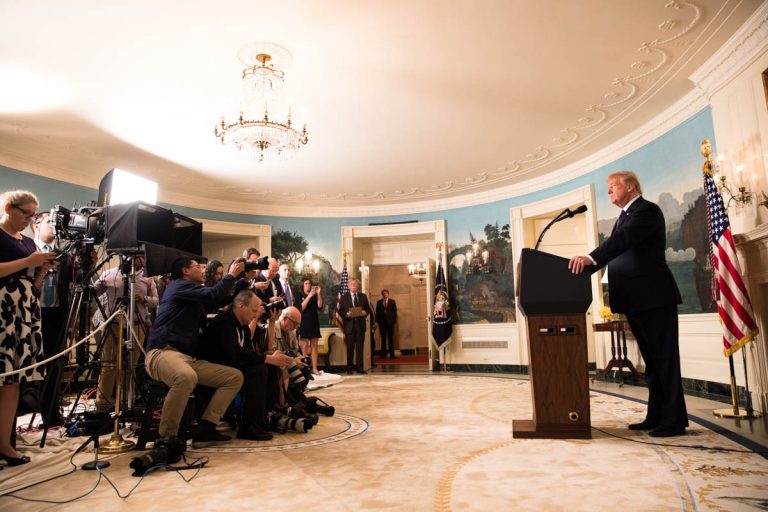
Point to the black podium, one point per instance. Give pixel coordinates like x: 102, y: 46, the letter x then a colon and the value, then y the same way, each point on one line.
x: 554, y: 302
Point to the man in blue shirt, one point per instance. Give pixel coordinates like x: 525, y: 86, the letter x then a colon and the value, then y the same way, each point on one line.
x: 172, y: 344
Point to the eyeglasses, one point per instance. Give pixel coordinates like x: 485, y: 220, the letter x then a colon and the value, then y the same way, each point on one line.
x: 24, y: 212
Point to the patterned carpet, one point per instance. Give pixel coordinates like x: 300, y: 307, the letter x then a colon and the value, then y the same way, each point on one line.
x: 427, y: 443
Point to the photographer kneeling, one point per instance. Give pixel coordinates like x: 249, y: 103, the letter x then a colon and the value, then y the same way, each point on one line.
x: 229, y: 341
x: 172, y: 344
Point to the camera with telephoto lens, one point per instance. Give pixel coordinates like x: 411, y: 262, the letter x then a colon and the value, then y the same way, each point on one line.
x: 166, y: 451
x: 260, y: 264
x: 299, y: 376
x: 299, y: 410
x: 280, y: 423
x: 317, y: 406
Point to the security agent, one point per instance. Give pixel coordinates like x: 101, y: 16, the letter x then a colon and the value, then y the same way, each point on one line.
x: 230, y: 341
x: 172, y: 344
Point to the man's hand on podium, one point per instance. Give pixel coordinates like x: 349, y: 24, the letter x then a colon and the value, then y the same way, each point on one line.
x: 577, y: 263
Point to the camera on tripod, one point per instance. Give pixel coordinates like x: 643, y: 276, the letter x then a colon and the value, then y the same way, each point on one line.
x: 83, y: 222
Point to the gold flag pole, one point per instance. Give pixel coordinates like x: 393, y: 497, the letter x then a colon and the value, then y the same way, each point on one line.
x: 116, y: 443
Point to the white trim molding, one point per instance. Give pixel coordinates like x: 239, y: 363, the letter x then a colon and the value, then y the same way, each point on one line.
x: 747, y: 44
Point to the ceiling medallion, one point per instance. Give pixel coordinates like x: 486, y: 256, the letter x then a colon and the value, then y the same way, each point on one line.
x: 254, y: 135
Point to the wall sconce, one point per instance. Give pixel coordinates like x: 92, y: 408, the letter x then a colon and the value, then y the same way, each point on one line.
x: 477, y: 262
x: 310, y: 266
x: 742, y: 196
x: 418, y: 270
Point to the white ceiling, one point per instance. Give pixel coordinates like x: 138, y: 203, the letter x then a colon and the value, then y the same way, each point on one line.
x: 406, y: 101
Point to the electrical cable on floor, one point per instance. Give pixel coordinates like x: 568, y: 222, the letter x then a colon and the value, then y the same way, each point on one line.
x: 197, y: 464
x: 693, y: 446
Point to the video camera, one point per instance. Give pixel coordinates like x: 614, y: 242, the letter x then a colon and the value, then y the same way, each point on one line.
x: 83, y: 222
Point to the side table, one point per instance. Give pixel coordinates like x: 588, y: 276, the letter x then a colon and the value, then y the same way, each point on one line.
x: 619, y: 360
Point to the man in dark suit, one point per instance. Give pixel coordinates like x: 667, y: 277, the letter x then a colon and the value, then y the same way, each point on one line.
x: 354, y: 326
x: 265, y: 285
x: 386, y: 317
x: 641, y: 286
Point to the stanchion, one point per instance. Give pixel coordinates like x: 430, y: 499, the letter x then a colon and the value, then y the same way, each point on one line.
x: 116, y: 443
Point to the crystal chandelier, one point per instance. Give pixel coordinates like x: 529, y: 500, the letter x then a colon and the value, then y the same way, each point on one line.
x: 255, y: 135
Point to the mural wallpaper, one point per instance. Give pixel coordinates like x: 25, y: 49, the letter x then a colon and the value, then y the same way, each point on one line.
x: 479, y: 253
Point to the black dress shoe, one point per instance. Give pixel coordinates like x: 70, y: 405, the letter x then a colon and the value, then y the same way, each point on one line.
x: 254, y: 433
x: 15, y: 461
x: 362, y: 372
x: 667, y: 432
x: 643, y: 425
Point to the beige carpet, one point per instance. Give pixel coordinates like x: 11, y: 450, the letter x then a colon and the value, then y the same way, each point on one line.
x: 421, y: 443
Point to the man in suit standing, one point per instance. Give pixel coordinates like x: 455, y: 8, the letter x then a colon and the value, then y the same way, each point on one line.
x: 386, y: 317
x: 354, y: 326
x: 284, y: 289
x: 642, y: 287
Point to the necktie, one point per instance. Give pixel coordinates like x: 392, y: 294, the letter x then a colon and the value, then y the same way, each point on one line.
x: 287, y: 289
x: 620, y: 220
x: 354, y: 300
x: 385, y: 303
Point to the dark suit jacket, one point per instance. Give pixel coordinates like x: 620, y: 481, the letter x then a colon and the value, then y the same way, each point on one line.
x: 281, y: 291
x: 270, y: 291
x: 638, y: 276
x: 350, y: 324
x: 386, y: 316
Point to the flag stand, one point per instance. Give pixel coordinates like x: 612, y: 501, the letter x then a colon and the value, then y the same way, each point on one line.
x: 735, y: 412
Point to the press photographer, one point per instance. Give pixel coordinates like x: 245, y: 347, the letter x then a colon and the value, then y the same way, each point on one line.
x: 172, y: 344
x: 229, y: 340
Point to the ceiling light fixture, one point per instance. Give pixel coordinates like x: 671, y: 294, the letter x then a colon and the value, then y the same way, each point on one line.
x: 255, y: 135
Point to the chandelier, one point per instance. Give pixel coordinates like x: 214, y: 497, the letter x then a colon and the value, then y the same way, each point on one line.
x: 254, y: 135
x: 418, y: 270
x: 477, y: 262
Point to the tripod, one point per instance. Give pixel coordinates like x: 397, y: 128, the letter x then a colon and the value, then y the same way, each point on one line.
x: 79, y: 315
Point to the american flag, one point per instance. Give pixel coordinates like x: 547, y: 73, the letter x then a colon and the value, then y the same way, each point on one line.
x: 344, y: 288
x: 733, y: 305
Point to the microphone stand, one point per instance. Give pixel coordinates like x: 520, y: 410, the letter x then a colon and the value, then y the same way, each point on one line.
x: 560, y: 216
x: 95, y: 463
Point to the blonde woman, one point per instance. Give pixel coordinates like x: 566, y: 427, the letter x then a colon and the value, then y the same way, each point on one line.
x: 311, y: 304
x: 22, y: 270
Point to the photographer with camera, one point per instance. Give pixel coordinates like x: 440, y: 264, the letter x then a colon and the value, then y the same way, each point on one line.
x: 22, y: 270
x: 172, y: 345
x: 230, y: 341
x: 112, y: 289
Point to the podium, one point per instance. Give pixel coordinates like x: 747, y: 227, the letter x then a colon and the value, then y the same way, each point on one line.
x: 554, y: 302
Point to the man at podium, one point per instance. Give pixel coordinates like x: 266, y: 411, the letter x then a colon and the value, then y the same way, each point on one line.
x: 642, y: 287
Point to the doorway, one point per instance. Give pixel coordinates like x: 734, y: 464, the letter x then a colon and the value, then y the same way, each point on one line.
x: 410, y: 336
x: 382, y: 254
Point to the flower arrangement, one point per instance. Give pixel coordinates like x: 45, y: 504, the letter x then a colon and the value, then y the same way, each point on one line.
x: 609, y: 316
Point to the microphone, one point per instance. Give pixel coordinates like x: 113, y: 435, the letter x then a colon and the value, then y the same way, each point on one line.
x: 571, y: 213
x: 565, y: 214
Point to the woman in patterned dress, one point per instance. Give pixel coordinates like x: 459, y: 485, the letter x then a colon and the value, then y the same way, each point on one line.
x: 22, y: 269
